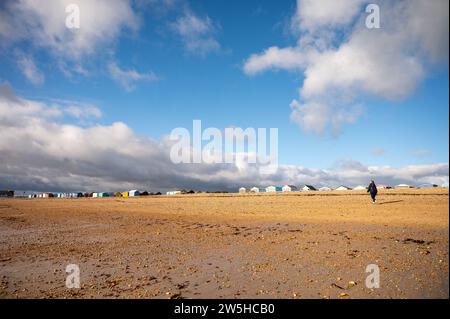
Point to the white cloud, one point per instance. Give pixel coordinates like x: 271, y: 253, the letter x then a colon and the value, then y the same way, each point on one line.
x: 342, y: 60
x: 197, y: 33
x: 318, y: 114
x: 43, y: 23
x: 275, y: 58
x: 72, y: 68
x: 313, y: 14
x: 40, y: 25
x: 39, y: 151
x: 82, y: 111
x: 29, y: 69
x: 128, y: 78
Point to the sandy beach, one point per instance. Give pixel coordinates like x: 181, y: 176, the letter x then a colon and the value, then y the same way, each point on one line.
x: 298, y: 245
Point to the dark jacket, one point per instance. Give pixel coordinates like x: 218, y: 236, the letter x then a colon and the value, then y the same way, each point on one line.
x: 372, y: 188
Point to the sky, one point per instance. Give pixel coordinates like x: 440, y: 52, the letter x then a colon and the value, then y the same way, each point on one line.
x: 92, y: 108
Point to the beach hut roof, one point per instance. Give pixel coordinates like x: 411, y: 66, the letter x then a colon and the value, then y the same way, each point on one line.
x: 342, y: 187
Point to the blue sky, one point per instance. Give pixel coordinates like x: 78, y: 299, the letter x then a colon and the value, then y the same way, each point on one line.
x: 215, y: 86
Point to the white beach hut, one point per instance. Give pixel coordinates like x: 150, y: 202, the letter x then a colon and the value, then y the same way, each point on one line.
x: 343, y: 188
x: 289, y: 188
x: 133, y: 193
x: 254, y: 190
x: 403, y: 186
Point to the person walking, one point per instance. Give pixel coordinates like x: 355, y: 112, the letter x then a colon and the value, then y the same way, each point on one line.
x: 372, y: 189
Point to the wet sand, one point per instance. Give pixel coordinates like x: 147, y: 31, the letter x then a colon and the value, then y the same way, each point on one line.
x: 299, y: 245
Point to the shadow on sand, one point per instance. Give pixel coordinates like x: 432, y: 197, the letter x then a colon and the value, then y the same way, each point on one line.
x: 391, y: 202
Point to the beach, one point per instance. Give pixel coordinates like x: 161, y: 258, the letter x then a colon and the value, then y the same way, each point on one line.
x: 288, y: 245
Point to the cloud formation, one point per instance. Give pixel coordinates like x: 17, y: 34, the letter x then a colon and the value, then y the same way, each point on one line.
x: 29, y: 69
x: 128, y: 78
x: 41, y: 25
x: 342, y: 60
x: 41, y: 151
x: 196, y: 33
x: 43, y: 22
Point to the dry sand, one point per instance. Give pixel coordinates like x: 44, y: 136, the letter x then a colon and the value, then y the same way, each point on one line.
x: 299, y: 245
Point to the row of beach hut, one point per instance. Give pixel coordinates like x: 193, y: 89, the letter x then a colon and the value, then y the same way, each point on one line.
x: 269, y: 189
x: 305, y: 188
x: 130, y: 193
